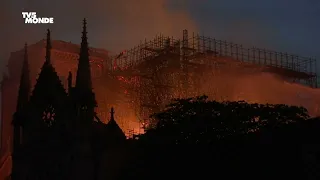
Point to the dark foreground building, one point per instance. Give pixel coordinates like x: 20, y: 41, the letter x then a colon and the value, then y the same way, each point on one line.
x: 57, y: 134
x: 64, y: 58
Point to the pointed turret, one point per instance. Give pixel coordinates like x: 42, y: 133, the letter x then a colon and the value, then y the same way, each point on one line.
x: 112, y: 124
x: 85, y: 98
x: 19, y: 116
x: 112, y: 114
x: 114, y: 132
x: 25, y: 84
x: 83, y: 80
x: 84, y: 103
x: 48, y: 47
x: 23, y: 96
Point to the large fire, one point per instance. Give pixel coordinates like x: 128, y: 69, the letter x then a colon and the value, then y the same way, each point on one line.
x: 136, y: 91
x: 228, y: 82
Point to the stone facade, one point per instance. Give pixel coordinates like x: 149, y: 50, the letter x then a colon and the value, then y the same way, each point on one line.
x: 64, y: 56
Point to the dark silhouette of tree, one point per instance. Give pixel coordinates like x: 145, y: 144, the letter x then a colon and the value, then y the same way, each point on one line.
x: 220, y: 140
x: 194, y: 119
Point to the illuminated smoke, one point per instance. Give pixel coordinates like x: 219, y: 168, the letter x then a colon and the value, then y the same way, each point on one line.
x: 267, y: 88
x: 112, y: 25
x: 118, y: 25
x: 233, y: 81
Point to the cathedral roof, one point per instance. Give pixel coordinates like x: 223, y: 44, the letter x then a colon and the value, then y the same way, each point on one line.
x: 113, y: 125
x: 36, y: 51
x: 65, y: 47
x: 74, y: 48
x: 114, y: 129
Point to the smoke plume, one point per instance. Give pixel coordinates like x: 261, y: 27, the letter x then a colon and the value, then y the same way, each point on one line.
x: 113, y: 25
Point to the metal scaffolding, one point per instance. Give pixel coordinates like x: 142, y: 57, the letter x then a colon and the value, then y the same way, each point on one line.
x: 156, y: 71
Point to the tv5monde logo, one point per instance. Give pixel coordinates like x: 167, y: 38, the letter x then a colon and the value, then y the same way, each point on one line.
x: 31, y: 18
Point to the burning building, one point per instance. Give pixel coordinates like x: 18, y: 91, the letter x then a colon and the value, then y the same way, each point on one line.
x: 141, y: 80
x: 156, y: 71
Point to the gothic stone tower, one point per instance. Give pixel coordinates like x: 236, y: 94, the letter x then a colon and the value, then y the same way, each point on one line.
x: 39, y: 151
x: 84, y: 103
x: 55, y: 133
x: 64, y: 57
x: 18, y: 120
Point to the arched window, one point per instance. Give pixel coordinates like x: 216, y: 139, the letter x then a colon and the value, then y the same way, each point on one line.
x: 49, y: 115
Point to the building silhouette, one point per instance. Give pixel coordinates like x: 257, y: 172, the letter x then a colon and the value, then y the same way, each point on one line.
x: 64, y: 57
x: 56, y: 132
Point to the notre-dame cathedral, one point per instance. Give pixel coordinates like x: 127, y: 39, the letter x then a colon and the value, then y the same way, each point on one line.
x: 57, y: 134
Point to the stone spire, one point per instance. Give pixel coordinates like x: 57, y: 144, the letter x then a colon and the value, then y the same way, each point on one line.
x: 114, y: 132
x: 85, y: 97
x: 83, y: 79
x: 48, y: 47
x: 112, y: 115
x: 19, y: 116
x: 24, y: 89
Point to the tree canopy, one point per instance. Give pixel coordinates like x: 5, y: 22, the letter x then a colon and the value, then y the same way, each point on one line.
x: 199, y: 119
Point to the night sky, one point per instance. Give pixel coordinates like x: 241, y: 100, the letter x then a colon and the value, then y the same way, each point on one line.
x: 284, y: 25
